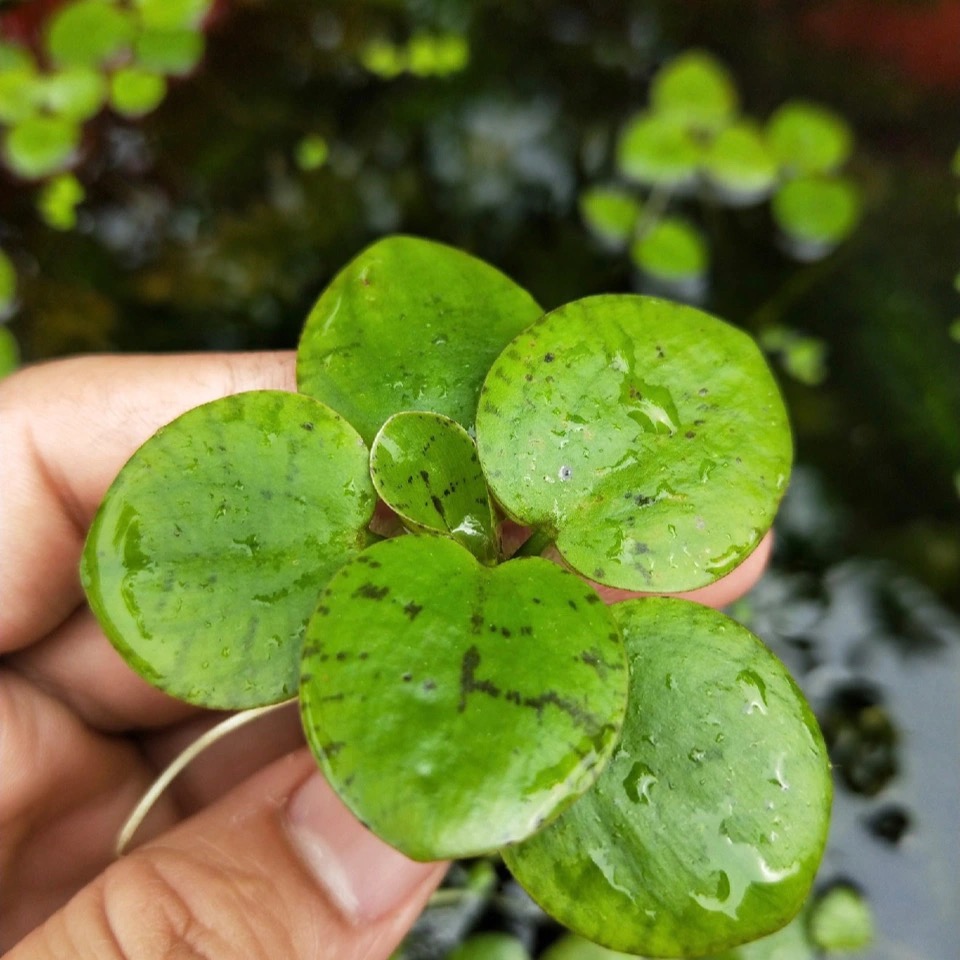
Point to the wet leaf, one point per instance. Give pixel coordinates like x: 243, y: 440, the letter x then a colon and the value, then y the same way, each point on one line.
x: 40, y: 145
x: 211, y: 547
x: 695, y: 89
x: 658, y: 151
x: 88, y: 33
x: 425, y: 467
x: 808, y: 138
x: 498, y: 692
x: 409, y: 325
x: 706, y: 828
x: 648, y: 437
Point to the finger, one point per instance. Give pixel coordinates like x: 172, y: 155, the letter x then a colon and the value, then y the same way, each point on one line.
x: 66, y: 428
x: 721, y: 592
x: 278, y: 868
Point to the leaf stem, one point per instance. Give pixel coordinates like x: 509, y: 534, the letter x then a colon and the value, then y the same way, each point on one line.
x: 176, y: 766
x: 535, y: 544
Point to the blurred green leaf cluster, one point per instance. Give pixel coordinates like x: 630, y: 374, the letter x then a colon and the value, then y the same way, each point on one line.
x: 425, y: 54
x: 93, y: 54
x: 693, y: 143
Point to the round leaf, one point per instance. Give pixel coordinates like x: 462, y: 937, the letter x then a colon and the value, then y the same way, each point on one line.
x: 172, y: 14
x: 648, y: 437
x: 739, y: 166
x: 611, y: 214
x: 135, y: 92
x: 696, y: 90
x: 840, y: 919
x: 40, y: 145
x: 21, y: 86
x: 211, y: 547
x: 808, y: 138
x: 816, y: 214
x: 658, y: 151
x: 671, y: 250
x: 170, y: 51
x: 498, y: 691
x: 58, y: 200
x: 706, y: 828
x: 417, y: 324
x: 88, y: 33
x: 425, y: 467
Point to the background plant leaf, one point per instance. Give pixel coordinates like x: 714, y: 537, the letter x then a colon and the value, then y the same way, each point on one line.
x: 425, y: 467
x: 417, y: 324
x: 456, y: 707
x: 706, y: 828
x: 648, y: 437
x: 211, y: 547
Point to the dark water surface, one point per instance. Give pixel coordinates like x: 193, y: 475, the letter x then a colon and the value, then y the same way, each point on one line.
x: 200, y: 231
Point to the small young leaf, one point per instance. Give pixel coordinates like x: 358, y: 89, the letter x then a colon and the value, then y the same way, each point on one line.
x: 499, y: 693
x: 211, y: 547
x: 706, y: 828
x: 490, y: 945
x: 425, y: 468
x: 739, y: 166
x: 40, y: 145
x: 840, y: 919
x: 610, y: 213
x: 21, y: 86
x: 58, y: 200
x: 172, y: 14
x: 135, y: 92
x: 658, y: 151
x: 695, y: 89
x: 76, y: 93
x: 175, y: 52
x: 648, y: 437
x: 808, y: 138
x: 409, y: 325
x: 671, y: 250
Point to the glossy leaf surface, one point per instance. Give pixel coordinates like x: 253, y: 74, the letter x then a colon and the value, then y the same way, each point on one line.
x: 649, y: 438
x: 414, y: 323
x: 425, y: 467
x: 456, y: 707
x: 212, y: 545
x: 706, y: 828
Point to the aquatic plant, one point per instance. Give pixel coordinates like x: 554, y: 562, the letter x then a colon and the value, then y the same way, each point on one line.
x: 649, y: 771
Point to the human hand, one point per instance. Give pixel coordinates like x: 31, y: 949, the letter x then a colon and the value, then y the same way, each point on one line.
x: 249, y: 854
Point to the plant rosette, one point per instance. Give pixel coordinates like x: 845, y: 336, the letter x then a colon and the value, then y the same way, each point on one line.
x: 649, y: 771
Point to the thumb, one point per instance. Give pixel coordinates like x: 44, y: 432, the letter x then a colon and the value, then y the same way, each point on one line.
x: 277, y: 868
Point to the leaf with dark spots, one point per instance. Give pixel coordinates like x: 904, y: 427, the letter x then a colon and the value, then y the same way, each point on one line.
x: 371, y: 591
x: 503, y: 735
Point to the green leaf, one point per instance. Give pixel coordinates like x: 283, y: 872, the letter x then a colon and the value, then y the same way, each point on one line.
x: 135, y: 92
x: 425, y: 468
x: 417, y: 324
x: 437, y: 55
x: 383, y: 58
x: 840, y: 919
x: 211, y: 547
x: 490, y: 946
x: 9, y: 352
x: 816, y: 214
x: 788, y: 943
x: 499, y: 693
x: 172, y: 14
x: 672, y: 250
x: 20, y: 85
x: 572, y: 947
x: 648, y: 437
x: 808, y: 138
x: 739, y: 166
x: 58, y: 200
x: 312, y: 152
x: 41, y: 145
x: 89, y: 33
x: 610, y: 213
x: 706, y: 828
x: 658, y: 151
x: 76, y: 93
x: 175, y: 52
x: 8, y: 283
x: 695, y: 89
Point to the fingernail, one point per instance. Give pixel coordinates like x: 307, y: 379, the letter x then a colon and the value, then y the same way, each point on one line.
x: 363, y: 877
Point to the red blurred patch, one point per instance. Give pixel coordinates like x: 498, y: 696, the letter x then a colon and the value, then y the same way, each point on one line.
x: 920, y: 40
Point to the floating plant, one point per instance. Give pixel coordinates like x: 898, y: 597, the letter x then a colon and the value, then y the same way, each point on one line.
x: 649, y: 771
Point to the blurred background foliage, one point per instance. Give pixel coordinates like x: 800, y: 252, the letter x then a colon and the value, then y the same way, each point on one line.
x: 196, y: 172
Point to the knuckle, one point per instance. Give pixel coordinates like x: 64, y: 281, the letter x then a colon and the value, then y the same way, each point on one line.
x: 171, y: 904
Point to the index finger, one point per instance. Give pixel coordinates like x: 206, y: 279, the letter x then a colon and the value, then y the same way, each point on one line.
x: 66, y: 429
